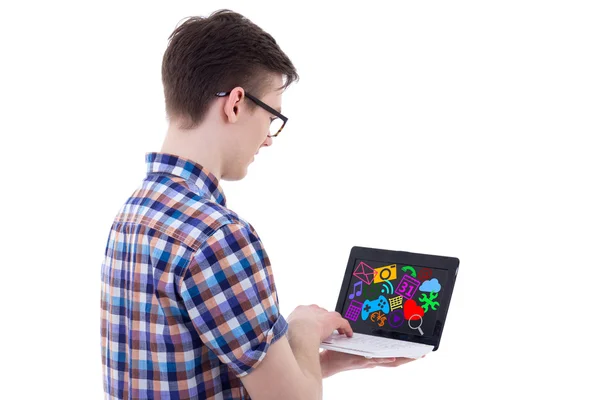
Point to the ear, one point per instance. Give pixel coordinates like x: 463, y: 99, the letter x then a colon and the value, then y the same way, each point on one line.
x: 233, y: 103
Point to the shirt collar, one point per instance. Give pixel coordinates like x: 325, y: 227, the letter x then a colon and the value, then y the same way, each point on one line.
x: 189, y: 170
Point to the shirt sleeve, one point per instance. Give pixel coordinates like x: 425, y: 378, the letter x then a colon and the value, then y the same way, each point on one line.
x: 229, y: 293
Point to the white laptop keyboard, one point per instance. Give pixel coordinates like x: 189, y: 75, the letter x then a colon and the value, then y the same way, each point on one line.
x: 375, y: 346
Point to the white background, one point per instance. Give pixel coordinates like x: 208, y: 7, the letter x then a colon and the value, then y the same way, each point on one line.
x: 457, y: 128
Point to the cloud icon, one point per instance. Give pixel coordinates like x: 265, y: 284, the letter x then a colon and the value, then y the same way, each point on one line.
x: 431, y: 286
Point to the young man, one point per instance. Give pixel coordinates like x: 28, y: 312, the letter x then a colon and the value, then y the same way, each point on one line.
x: 189, y: 306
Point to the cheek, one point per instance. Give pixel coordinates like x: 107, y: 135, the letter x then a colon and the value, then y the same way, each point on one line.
x: 262, y: 133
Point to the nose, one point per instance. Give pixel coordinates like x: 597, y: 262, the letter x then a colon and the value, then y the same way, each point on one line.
x: 268, y: 141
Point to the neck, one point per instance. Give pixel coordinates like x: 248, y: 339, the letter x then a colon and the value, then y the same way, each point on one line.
x: 197, y: 145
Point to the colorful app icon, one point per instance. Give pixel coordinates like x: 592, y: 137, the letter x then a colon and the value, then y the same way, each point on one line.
x: 365, y: 273
x: 407, y: 286
x: 396, y: 318
x: 385, y: 273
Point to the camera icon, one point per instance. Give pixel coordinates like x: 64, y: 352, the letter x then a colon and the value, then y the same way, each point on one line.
x: 386, y: 273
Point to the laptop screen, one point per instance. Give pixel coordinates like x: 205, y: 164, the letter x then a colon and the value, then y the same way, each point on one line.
x: 394, y: 297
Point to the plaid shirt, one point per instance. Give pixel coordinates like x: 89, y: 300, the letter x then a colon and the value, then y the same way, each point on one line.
x: 188, y: 298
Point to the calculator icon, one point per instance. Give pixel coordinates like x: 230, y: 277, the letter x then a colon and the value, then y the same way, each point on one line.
x: 353, y: 310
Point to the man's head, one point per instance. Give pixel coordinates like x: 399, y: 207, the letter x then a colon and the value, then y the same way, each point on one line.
x: 224, y: 52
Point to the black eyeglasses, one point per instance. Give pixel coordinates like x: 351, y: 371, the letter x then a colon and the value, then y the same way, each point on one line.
x: 276, y: 124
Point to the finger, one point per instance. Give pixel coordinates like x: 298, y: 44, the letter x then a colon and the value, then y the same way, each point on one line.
x: 399, y: 361
x: 344, y: 331
x: 385, y: 360
x: 344, y: 328
x: 345, y: 325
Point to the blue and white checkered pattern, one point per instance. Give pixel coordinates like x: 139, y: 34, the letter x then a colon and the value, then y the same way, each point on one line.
x: 188, y: 298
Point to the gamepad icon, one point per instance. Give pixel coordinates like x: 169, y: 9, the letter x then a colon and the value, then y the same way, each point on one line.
x: 370, y: 306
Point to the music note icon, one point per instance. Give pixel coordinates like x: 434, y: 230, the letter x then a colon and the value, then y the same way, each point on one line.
x: 353, y: 294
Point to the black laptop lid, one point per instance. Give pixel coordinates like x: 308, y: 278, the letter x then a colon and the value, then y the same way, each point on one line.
x: 397, y: 294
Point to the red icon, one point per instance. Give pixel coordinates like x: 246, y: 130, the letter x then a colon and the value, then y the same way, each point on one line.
x: 412, y: 311
x: 425, y: 274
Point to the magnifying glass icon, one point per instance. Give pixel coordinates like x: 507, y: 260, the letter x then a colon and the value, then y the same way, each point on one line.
x: 420, y: 319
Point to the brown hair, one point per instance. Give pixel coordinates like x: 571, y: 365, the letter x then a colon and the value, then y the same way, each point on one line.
x: 218, y: 53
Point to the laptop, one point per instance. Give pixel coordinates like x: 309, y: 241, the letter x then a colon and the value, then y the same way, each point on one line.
x: 396, y: 303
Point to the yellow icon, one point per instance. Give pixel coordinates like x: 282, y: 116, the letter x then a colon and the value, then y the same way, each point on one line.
x: 385, y: 273
x: 395, y: 303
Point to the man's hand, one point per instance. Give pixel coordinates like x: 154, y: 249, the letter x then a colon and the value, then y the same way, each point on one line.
x: 333, y: 362
x: 319, y: 319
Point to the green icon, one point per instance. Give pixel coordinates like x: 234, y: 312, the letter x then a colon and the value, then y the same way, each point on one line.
x: 412, y: 270
x: 372, y: 290
x: 428, y: 301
